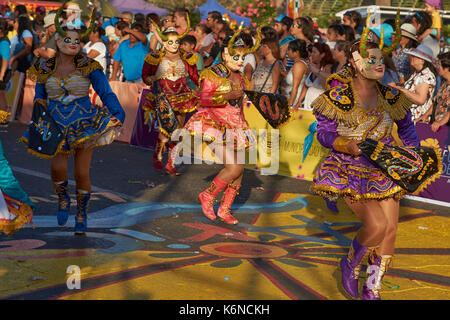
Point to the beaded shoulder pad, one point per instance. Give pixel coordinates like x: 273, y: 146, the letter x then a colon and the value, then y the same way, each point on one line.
x: 338, y: 104
x: 396, y: 103
x: 343, y: 76
x: 216, y: 74
x: 42, y: 70
x: 154, y: 58
x: 190, y: 58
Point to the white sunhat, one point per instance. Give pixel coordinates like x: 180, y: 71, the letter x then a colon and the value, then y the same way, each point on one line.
x: 423, y: 52
x: 49, y: 20
x: 409, y: 31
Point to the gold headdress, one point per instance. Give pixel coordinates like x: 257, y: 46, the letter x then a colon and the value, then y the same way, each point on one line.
x: 231, y: 43
x: 398, y: 35
x: 386, y: 51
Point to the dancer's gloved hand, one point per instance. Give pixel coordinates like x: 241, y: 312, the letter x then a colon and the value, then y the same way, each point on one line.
x: 353, y: 148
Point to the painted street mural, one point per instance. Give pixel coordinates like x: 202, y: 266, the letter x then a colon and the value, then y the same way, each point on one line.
x: 286, y: 249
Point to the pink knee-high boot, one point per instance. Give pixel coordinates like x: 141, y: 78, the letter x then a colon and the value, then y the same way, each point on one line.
x: 228, y: 198
x: 206, y: 198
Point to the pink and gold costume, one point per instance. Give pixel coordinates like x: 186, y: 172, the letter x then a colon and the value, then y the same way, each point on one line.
x: 220, y: 119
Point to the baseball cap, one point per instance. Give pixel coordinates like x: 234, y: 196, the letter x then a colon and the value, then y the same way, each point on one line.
x: 40, y: 9
x: 280, y: 17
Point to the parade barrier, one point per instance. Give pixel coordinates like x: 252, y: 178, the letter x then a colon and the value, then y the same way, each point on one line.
x: 292, y: 159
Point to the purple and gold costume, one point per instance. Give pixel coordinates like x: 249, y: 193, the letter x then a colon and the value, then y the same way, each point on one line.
x: 341, y: 119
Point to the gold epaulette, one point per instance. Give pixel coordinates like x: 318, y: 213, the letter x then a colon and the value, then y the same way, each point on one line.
x: 337, y: 104
x: 41, y: 71
x: 212, y: 76
x: 86, y: 65
x: 343, y: 76
x: 154, y: 58
x: 397, y: 104
x: 190, y: 58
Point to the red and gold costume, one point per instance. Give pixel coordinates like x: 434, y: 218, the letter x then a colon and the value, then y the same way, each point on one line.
x: 172, y: 76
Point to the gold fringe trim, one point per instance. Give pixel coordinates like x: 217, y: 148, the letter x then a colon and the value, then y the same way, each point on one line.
x: 4, y: 116
x: 435, y: 176
x: 75, y: 144
x: 333, y: 193
x: 39, y: 75
x: 397, y: 110
x: 213, y: 77
x: 24, y: 215
x: 154, y: 58
x: 190, y: 58
x: 322, y: 105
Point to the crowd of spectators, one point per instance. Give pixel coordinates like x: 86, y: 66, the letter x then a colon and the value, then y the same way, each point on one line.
x: 294, y: 59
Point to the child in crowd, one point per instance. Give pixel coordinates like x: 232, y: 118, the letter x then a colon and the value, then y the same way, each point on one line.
x: 432, y: 7
x: 188, y: 45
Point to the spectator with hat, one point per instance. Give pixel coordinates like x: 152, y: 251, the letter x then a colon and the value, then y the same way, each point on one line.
x: 47, y: 49
x: 38, y: 22
x: 408, y: 41
x: 73, y: 16
x: 420, y: 86
x: 283, y: 26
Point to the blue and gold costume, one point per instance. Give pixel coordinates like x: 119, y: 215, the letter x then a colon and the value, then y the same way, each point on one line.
x: 67, y: 102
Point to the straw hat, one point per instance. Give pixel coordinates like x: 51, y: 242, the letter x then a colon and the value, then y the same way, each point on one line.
x: 72, y: 6
x: 409, y: 31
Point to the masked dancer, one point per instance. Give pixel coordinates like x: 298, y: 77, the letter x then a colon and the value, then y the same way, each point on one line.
x: 62, y: 92
x: 358, y: 109
x: 167, y: 72
x: 219, y: 120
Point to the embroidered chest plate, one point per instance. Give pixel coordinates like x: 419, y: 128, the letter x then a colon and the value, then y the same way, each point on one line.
x: 171, y: 70
x: 70, y: 88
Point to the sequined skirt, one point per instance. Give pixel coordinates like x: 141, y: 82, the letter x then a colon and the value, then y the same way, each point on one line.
x: 222, y: 125
x: 85, y: 127
x: 179, y: 94
x: 343, y: 175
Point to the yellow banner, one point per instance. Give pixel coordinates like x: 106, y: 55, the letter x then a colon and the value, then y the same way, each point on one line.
x: 291, y: 140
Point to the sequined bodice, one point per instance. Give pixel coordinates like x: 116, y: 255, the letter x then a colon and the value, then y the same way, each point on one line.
x: 374, y: 124
x: 68, y: 89
x: 172, y: 70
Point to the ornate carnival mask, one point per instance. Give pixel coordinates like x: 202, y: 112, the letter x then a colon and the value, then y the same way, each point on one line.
x: 235, y: 52
x: 370, y: 62
x: 171, y: 42
x: 371, y: 67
